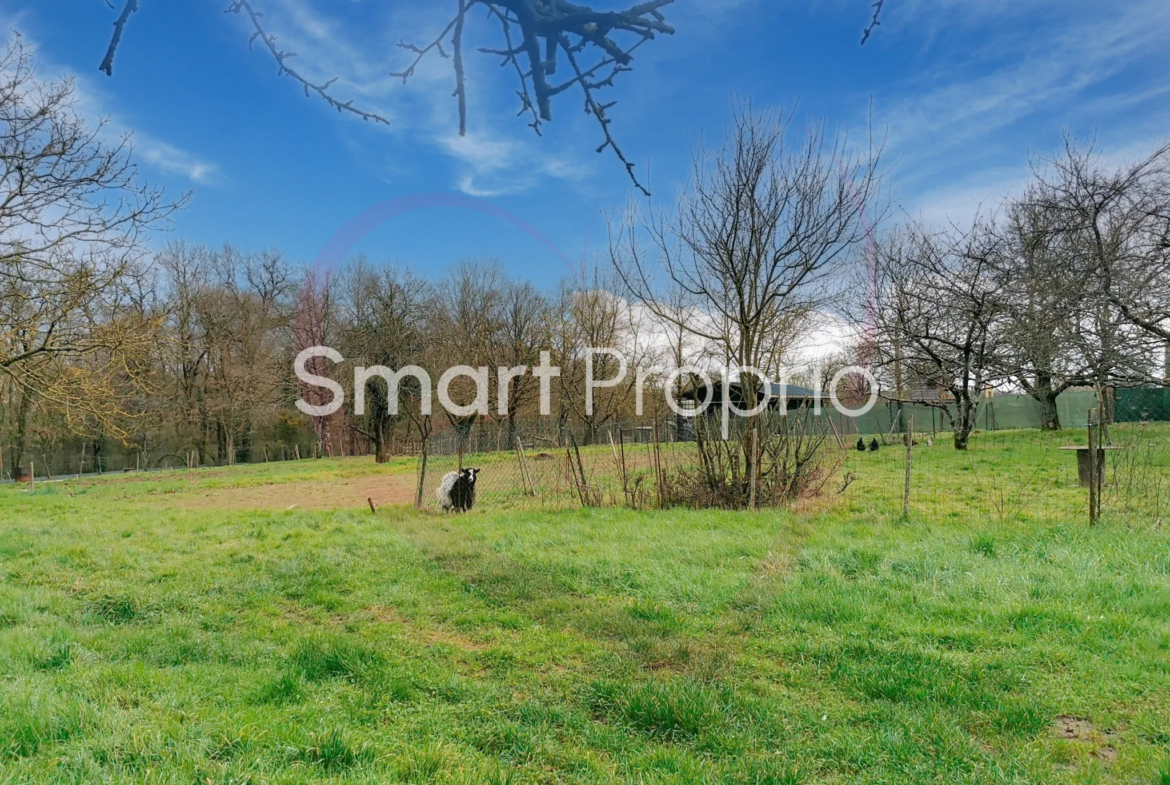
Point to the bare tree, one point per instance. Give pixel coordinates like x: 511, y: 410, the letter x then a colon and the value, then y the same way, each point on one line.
x: 756, y: 238
x: 1113, y: 224
x: 589, y: 316
x: 754, y: 245
x: 1045, y: 295
x: 521, y: 333
x: 73, y: 218
x: 312, y: 321
x: 381, y: 323
x: 941, y: 317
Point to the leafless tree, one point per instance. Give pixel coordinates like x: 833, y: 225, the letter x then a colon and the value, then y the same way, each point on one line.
x: 589, y: 315
x: 940, y: 317
x: 381, y: 323
x: 221, y: 361
x: 521, y: 333
x: 754, y: 245
x: 1045, y: 295
x: 73, y: 216
x: 756, y: 238
x: 313, y: 316
x: 1114, y: 226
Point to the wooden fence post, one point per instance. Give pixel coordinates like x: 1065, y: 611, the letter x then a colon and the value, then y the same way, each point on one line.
x: 909, y: 461
x: 422, y: 476
x: 658, y: 469
x: 585, y: 496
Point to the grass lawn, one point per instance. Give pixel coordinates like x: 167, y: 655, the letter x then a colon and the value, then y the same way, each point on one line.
x: 148, y: 638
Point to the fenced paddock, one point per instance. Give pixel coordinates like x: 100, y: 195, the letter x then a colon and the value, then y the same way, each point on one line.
x: 616, y: 465
x: 1015, y: 474
x: 1004, y: 475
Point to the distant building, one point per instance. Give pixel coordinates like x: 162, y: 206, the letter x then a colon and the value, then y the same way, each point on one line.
x: 795, y: 397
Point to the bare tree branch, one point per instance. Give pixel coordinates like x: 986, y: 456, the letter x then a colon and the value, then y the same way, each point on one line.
x: 107, y: 65
x: 281, y: 57
x: 874, y: 22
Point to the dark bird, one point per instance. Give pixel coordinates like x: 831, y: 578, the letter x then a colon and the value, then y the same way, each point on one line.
x: 860, y: 444
x: 873, y: 445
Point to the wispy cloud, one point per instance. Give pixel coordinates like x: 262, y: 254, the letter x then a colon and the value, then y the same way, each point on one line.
x: 94, y: 104
x: 171, y: 160
x: 1067, y: 72
x: 500, y: 155
x: 1058, y: 68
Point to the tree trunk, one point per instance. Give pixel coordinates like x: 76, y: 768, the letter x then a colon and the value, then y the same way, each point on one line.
x: 964, y: 423
x: 1108, y: 405
x: 20, y: 445
x: 381, y: 444
x: 1045, y: 395
x: 1049, y: 413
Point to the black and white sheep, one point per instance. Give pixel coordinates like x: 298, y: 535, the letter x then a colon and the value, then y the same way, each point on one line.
x: 457, y: 490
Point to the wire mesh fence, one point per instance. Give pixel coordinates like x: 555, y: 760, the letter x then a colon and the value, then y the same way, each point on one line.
x: 1110, y: 463
x: 1099, y: 470
x: 616, y: 464
x: 1003, y: 475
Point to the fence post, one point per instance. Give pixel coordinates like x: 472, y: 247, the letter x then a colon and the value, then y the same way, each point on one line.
x: 754, y: 481
x: 586, y: 495
x: 661, y: 480
x: 1094, y: 469
x: 576, y: 479
x: 909, y: 460
x: 422, y: 476
x: 525, y: 477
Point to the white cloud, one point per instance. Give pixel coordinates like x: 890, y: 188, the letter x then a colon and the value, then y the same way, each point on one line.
x: 500, y: 154
x: 1070, y: 70
x: 94, y: 105
x: 171, y: 160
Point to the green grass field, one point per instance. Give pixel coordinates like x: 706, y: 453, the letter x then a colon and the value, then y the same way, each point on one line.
x: 149, y: 634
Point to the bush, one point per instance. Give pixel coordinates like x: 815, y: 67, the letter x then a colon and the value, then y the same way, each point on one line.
x: 787, y: 456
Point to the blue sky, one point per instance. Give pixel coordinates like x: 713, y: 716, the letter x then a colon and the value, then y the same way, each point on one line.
x: 964, y: 92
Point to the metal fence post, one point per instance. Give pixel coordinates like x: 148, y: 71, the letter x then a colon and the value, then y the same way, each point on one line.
x: 909, y: 459
x: 1094, y: 469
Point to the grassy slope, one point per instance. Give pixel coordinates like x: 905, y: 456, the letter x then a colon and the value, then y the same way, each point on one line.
x: 146, y: 643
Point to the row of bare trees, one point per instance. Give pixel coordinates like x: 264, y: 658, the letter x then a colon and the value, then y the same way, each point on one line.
x: 186, y: 353
x: 1066, y: 285
x: 215, y: 363
x: 479, y: 317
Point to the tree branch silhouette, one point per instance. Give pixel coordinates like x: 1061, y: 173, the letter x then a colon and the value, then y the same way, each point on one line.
x: 597, y: 45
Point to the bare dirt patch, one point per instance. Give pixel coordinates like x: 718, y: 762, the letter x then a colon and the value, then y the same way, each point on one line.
x: 386, y: 490
x: 1073, y: 728
x: 1083, y: 730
